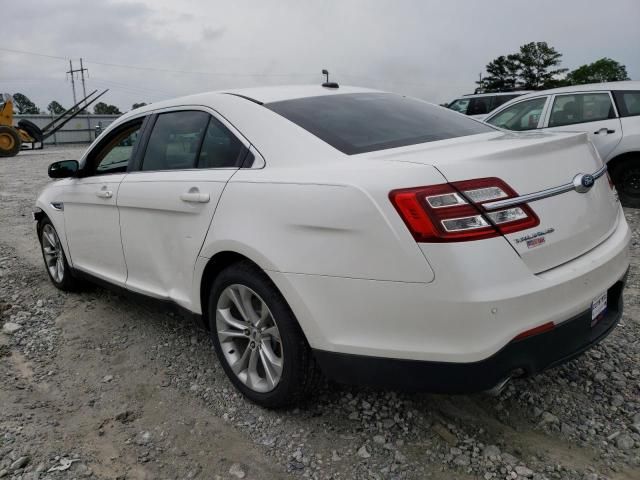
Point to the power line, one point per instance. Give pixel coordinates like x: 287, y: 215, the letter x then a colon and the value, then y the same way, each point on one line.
x: 190, y: 72
x: 165, y: 70
x: 132, y: 88
x: 33, y: 53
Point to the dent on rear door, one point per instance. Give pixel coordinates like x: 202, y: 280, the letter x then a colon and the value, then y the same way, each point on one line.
x: 334, y: 230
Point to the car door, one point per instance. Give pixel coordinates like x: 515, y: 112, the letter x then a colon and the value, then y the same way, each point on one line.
x: 590, y: 112
x: 167, y: 205
x: 92, y: 222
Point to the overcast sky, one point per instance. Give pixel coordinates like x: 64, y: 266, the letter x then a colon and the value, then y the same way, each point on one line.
x: 430, y: 49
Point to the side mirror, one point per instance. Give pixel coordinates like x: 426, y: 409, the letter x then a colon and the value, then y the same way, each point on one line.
x: 64, y: 169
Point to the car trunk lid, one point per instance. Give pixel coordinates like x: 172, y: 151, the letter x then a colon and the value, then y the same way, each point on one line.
x: 572, y: 221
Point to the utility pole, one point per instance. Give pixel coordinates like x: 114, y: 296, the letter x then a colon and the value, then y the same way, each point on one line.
x: 72, y: 72
x: 73, y: 83
x: 82, y: 70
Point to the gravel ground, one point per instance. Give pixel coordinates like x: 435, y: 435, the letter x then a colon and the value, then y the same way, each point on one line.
x: 97, y: 385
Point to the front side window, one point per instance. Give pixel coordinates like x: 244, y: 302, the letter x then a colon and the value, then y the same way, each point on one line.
x: 628, y: 103
x: 580, y: 108
x: 521, y: 116
x: 175, y: 140
x: 116, y: 151
x: 366, y: 122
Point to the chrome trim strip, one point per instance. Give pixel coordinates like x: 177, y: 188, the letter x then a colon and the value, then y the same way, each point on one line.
x: 532, y: 197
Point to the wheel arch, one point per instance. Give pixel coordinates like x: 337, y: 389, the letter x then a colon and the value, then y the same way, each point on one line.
x: 618, y: 159
x: 42, y: 210
x: 216, y: 264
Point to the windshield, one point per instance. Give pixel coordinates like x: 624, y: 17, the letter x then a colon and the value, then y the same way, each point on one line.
x: 365, y: 122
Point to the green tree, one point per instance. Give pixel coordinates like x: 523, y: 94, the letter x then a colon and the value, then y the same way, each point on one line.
x: 102, y: 108
x: 603, y: 70
x: 55, y: 108
x: 138, y: 105
x: 537, y: 62
x: 24, y: 105
x: 502, y: 74
x: 535, y: 66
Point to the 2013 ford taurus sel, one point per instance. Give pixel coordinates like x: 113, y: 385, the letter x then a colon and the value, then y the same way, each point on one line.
x: 383, y: 239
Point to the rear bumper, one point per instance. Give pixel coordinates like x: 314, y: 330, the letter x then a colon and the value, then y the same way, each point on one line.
x: 522, y: 357
x: 482, y: 298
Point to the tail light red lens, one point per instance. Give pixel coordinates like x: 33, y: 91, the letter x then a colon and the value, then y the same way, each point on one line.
x: 453, y: 212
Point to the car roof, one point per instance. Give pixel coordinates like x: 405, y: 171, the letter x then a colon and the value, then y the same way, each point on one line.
x: 491, y: 94
x: 290, y: 92
x: 256, y: 94
x: 589, y: 87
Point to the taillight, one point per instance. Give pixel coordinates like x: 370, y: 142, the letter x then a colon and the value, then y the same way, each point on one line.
x: 453, y: 212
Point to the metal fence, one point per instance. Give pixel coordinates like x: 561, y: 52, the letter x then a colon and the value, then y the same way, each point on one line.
x: 82, y: 129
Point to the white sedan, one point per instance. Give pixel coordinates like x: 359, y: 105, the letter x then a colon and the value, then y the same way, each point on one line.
x: 374, y: 237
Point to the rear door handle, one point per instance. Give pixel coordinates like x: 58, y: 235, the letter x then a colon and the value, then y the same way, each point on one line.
x: 194, y: 196
x: 104, y: 194
x: 604, y: 131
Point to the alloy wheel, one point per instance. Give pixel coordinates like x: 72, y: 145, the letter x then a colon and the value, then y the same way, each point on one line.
x: 249, y: 338
x: 53, y: 255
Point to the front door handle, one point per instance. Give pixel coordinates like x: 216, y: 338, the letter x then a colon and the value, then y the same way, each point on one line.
x: 194, y: 196
x: 104, y: 194
x: 604, y: 131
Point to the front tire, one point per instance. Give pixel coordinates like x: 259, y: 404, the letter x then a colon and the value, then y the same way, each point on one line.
x: 10, y: 142
x: 55, y: 260
x: 626, y: 178
x: 257, y: 338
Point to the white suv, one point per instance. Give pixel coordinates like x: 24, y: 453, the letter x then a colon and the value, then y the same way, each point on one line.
x: 608, y: 112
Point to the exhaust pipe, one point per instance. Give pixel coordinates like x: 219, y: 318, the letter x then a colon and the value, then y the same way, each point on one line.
x: 498, y: 388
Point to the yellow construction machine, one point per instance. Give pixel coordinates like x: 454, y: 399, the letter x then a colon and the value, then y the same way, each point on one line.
x: 12, y: 138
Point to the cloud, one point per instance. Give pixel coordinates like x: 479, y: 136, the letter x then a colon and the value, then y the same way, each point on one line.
x: 431, y: 49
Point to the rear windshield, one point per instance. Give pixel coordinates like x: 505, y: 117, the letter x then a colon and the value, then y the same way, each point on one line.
x: 366, y: 122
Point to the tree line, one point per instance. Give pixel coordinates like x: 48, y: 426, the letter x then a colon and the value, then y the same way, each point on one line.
x: 24, y: 106
x: 537, y: 66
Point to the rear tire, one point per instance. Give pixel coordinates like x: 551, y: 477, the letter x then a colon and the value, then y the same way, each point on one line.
x: 626, y: 178
x: 54, y: 258
x: 32, y: 129
x: 260, y: 345
x: 10, y: 143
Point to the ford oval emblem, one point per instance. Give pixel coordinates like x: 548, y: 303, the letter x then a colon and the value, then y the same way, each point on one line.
x: 587, y: 181
x: 583, y: 182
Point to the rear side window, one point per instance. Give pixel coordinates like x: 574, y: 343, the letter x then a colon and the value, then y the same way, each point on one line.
x: 479, y: 106
x: 365, y: 122
x: 580, y: 108
x: 520, y: 116
x: 220, y: 147
x: 175, y: 140
x: 628, y: 103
